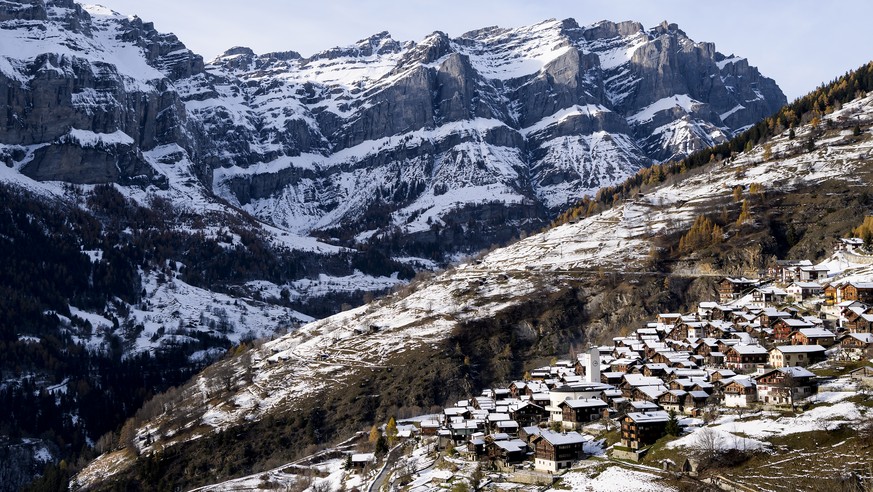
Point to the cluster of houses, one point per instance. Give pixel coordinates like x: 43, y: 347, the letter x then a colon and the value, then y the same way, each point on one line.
x: 750, y: 348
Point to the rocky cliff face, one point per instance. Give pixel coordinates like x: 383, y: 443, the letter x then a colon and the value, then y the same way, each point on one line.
x: 415, y: 145
x: 87, y: 92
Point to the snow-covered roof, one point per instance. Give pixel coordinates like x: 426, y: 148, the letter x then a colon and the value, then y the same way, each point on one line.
x: 647, y: 417
x: 864, y: 337
x: 806, y: 285
x: 744, y: 382
x: 644, y: 406
x: 796, y: 323
x: 749, y: 349
x: 513, y: 446
x: 560, y: 438
x: 653, y: 392
x: 532, y: 430
x: 640, y: 380
x: 363, y: 458
x: 816, y: 333
x: 799, y: 349
x: 584, y: 403
x: 797, y: 372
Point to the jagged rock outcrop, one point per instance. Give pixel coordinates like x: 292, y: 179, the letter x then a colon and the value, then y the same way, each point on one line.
x: 383, y: 141
x: 84, y: 105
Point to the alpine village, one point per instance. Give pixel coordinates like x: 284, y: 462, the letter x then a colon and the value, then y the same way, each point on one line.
x: 588, y: 256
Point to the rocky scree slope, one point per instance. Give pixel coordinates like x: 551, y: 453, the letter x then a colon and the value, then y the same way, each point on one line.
x: 477, y: 324
x: 427, y: 148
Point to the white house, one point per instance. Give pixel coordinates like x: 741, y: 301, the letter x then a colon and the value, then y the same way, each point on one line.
x: 796, y: 355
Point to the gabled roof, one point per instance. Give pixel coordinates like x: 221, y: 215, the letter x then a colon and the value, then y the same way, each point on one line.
x: 523, y: 405
x: 670, y: 315
x: 796, y: 323
x: 644, y: 406
x: 806, y: 285
x: 796, y: 372
x: 653, y: 392
x: 799, y: 349
x: 497, y: 417
x: 560, y: 438
x: 637, y: 380
x: 775, y: 313
x: 725, y: 373
x: 532, y: 430
x: 744, y: 382
x: 513, y: 446
x: 749, y: 349
x: 584, y: 403
x: 646, y: 417
x: 816, y: 333
x: 863, y: 337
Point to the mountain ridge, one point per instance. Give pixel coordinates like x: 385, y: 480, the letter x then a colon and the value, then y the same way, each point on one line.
x: 356, y: 143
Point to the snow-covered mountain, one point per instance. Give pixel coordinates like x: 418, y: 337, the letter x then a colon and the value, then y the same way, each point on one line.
x: 437, y: 146
x: 405, y: 350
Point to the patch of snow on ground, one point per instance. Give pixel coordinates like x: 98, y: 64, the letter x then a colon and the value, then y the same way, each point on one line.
x: 719, y: 439
x: 614, y: 479
x: 826, y: 417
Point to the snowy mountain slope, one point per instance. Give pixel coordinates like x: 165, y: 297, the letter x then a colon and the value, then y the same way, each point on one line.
x: 374, y: 141
x: 326, y: 357
x: 548, y: 113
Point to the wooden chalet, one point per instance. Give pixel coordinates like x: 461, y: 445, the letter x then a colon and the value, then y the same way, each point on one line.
x: 429, y: 427
x: 577, y: 413
x: 745, y: 357
x: 639, y: 429
x: 858, y: 345
x: 730, y: 289
x: 555, y: 451
x: 857, y: 291
x: 673, y: 400
x: 831, y: 293
x: 812, y: 336
x: 720, y: 375
x: 528, y: 413
x: 785, y: 385
x: 695, y: 401
x: 505, y: 453
x: 858, y: 319
x: 783, y: 328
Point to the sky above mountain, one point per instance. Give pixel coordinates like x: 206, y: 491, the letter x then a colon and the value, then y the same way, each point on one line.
x: 799, y: 43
